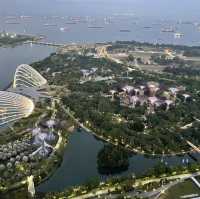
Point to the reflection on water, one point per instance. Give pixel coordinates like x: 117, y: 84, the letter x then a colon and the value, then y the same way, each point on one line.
x: 80, y: 163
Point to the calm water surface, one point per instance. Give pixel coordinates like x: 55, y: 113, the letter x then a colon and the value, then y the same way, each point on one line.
x: 80, y: 163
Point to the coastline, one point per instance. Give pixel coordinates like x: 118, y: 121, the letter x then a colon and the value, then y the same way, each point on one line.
x: 8, y: 86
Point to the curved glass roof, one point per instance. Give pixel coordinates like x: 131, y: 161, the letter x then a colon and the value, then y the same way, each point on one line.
x: 14, y: 107
x: 26, y: 76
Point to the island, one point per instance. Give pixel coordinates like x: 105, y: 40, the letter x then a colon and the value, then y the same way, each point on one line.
x: 112, y: 160
x: 13, y: 39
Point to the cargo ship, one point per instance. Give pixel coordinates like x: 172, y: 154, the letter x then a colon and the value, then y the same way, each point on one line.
x: 178, y: 35
x: 72, y: 23
x: 95, y: 27
x: 147, y: 27
x: 64, y: 29
x: 12, y: 22
x: 11, y: 17
x: 49, y: 24
x: 125, y: 30
x: 170, y: 30
x: 25, y: 17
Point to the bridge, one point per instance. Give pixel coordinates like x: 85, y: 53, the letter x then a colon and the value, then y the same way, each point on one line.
x: 44, y: 43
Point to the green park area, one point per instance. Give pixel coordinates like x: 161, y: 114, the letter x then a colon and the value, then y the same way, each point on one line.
x: 180, y: 190
x: 135, y: 127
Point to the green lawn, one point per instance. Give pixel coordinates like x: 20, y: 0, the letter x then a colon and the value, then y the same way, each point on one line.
x: 181, y: 189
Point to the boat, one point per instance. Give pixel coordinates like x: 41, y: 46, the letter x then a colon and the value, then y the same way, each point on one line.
x: 178, y: 35
x: 156, y: 24
x: 25, y: 17
x: 170, y: 30
x: 187, y: 22
x: 95, y: 27
x: 147, y: 27
x: 11, y: 17
x: 12, y: 22
x: 107, y: 21
x: 49, y: 24
x: 125, y: 30
x: 55, y: 17
x: 64, y: 29
x: 71, y: 23
x: 82, y: 21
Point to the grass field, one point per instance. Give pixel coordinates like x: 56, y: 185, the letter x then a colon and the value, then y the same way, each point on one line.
x: 181, y: 189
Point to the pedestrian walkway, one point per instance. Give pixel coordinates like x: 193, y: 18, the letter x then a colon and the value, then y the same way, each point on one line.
x: 196, y: 182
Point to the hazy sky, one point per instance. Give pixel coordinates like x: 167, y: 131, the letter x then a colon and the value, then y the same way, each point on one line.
x: 186, y: 9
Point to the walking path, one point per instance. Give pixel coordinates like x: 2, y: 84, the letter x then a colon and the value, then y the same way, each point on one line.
x: 196, y: 182
x: 116, y: 143
x: 104, y: 192
x: 31, y: 186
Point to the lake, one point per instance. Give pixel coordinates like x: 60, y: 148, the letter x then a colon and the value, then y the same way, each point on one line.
x: 80, y: 163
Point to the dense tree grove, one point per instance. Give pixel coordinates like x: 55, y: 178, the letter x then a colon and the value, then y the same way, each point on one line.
x: 99, y: 111
x: 153, y: 133
x: 188, y: 71
x: 112, y: 160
